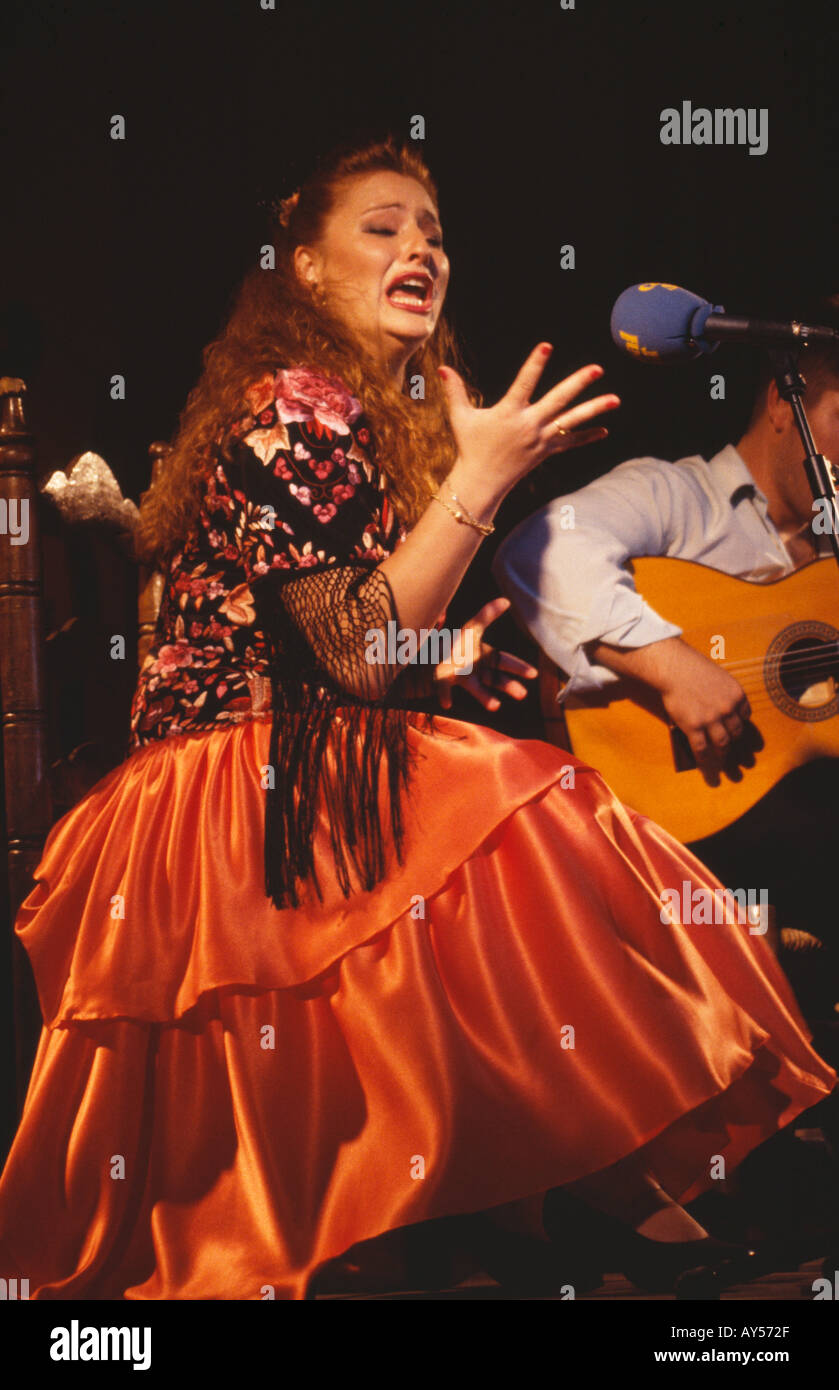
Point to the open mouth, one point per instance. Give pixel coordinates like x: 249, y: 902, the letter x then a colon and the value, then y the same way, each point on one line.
x: 412, y: 292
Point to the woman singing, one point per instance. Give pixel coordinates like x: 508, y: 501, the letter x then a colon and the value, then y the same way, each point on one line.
x: 317, y: 962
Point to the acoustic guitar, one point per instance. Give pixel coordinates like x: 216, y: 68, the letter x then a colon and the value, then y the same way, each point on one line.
x: 780, y: 640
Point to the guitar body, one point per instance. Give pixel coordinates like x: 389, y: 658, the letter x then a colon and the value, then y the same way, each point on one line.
x: 779, y: 640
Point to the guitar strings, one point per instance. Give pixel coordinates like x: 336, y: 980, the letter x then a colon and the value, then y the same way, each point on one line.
x: 811, y: 659
x: 808, y: 654
x: 755, y: 689
x: 762, y: 699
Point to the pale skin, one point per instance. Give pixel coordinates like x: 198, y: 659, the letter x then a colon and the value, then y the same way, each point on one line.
x: 383, y: 225
x: 700, y: 697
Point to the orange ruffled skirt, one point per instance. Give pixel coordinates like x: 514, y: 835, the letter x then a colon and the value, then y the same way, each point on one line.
x: 226, y: 1095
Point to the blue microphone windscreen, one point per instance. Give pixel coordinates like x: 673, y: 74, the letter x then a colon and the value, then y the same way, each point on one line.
x: 653, y: 322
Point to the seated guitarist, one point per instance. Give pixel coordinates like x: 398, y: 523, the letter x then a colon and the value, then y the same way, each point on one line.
x: 748, y: 512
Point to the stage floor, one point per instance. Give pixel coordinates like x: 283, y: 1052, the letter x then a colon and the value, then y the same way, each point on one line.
x: 792, y: 1286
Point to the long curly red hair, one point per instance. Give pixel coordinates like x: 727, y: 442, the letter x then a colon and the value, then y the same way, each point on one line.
x: 276, y: 322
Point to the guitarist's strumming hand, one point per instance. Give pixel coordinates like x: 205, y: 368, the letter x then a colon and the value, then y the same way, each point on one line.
x: 701, y: 699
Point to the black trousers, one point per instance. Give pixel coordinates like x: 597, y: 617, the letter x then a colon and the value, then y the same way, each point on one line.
x: 789, y: 844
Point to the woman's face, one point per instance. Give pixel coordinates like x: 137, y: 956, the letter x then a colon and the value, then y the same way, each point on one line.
x: 381, y: 264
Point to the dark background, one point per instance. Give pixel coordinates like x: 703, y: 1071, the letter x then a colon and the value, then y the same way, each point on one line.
x: 542, y: 129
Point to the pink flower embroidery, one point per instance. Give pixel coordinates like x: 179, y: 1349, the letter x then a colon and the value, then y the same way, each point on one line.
x: 172, y: 656
x: 303, y: 494
x: 310, y: 397
x: 306, y: 556
x: 325, y: 512
x: 342, y: 492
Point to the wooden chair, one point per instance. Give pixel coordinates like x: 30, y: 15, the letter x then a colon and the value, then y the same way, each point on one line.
x: 68, y: 589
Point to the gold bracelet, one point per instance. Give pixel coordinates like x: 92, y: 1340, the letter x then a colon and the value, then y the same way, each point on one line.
x: 464, y: 515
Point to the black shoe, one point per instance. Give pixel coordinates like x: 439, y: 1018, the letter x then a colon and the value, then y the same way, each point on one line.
x: 692, y: 1269
x: 718, y: 1271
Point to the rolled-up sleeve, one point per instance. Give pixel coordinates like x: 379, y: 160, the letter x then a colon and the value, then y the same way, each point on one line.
x: 564, y: 568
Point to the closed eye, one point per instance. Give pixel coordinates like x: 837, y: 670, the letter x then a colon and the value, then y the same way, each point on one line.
x: 436, y: 241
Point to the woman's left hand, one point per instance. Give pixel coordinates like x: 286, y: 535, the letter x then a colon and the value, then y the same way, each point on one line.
x: 485, y: 671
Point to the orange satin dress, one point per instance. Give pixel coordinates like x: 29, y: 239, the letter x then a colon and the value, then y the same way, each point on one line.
x: 226, y: 1095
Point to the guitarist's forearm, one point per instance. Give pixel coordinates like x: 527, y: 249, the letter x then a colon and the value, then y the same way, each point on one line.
x: 658, y: 664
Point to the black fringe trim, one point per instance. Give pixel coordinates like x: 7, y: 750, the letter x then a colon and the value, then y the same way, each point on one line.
x: 308, y: 720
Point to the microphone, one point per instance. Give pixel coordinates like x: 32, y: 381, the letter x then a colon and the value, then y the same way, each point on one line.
x: 658, y: 323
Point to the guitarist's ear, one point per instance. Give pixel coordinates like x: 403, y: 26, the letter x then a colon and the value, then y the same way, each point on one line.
x: 778, y: 410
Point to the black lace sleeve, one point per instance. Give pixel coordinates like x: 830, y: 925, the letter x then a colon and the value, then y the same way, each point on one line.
x: 314, y: 524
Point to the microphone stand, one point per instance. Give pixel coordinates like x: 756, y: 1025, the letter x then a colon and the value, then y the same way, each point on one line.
x: 820, y: 471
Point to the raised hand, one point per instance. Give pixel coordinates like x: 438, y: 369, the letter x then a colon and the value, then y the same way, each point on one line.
x: 496, y: 447
x: 504, y: 442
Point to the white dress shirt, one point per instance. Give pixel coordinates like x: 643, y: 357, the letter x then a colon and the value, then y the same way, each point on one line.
x: 568, y: 583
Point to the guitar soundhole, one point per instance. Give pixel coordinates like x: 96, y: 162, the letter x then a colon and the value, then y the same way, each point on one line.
x: 801, y: 671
